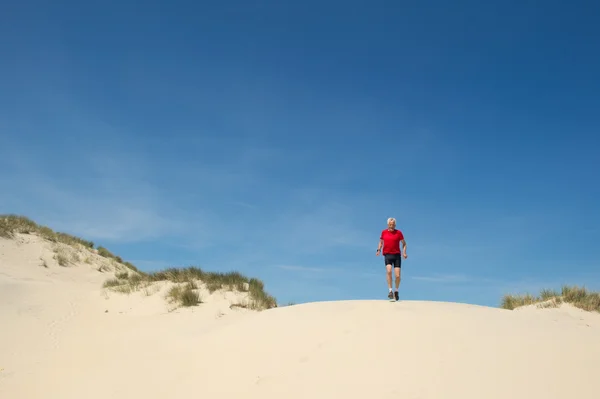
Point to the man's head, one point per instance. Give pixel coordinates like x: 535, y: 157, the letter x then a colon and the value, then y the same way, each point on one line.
x: 391, y: 222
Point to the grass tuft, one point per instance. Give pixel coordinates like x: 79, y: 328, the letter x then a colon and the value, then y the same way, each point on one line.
x: 112, y: 282
x: 184, y: 295
x: 577, y: 296
x: 61, y: 259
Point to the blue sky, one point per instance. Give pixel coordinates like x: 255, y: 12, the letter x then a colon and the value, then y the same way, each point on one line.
x: 275, y: 138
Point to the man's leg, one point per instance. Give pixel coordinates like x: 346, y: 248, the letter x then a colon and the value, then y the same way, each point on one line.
x: 388, y: 269
x: 397, y: 269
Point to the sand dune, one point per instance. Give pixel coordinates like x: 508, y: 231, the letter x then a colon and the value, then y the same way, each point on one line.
x: 63, y: 336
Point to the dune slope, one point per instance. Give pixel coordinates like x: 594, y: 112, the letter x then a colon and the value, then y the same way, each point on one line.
x: 63, y: 337
x: 59, y: 323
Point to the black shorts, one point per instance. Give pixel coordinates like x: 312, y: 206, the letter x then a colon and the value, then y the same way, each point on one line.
x: 393, y: 259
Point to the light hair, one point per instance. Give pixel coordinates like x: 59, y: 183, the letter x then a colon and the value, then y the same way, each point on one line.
x: 391, y: 220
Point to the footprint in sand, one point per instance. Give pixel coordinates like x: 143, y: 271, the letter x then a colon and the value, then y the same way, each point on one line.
x: 56, y: 326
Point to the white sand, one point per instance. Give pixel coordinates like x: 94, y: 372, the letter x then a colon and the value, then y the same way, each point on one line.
x: 57, y: 341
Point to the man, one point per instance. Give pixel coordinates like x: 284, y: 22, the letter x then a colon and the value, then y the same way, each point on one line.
x: 390, y: 240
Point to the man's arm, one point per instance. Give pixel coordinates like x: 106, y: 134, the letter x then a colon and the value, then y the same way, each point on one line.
x: 379, y: 246
x: 404, y: 247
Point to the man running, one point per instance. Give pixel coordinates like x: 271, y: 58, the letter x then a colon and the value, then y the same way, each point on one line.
x: 390, y: 241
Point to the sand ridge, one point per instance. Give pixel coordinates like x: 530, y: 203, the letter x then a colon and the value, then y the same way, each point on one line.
x: 63, y: 336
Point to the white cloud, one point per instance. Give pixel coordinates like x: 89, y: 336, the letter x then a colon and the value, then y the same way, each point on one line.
x: 452, y: 278
x: 312, y: 270
x: 306, y: 268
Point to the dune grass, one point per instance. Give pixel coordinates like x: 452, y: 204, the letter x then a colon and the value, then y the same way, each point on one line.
x: 14, y: 224
x: 184, y: 295
x: 186, y: 282
x: 10, y: 225
x: 127, y: 282
x: 580, y: 297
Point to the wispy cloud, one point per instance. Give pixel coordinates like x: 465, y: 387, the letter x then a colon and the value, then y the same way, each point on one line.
x: 312, y: 222
x: 120, y: 195
x: 312, y: 270
x: 151, y: 264
x: 306, y: 269
x: 534, y: 285
x: 243, y: 204
x: 452, y: 279
x: 110, y: 203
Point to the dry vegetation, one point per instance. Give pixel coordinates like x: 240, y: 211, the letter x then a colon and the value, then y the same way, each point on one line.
x: 14, y: 224
x: 183, y: 293
x: 10, y: 225
x: 577, y: 296
x: 186, y: 280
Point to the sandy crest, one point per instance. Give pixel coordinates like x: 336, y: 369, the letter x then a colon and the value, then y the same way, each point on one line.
x: 360, y: 349
x: 62, y: 337
x: 60, y: 326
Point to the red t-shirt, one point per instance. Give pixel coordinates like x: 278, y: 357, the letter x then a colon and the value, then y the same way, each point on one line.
x: 391, y: 241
